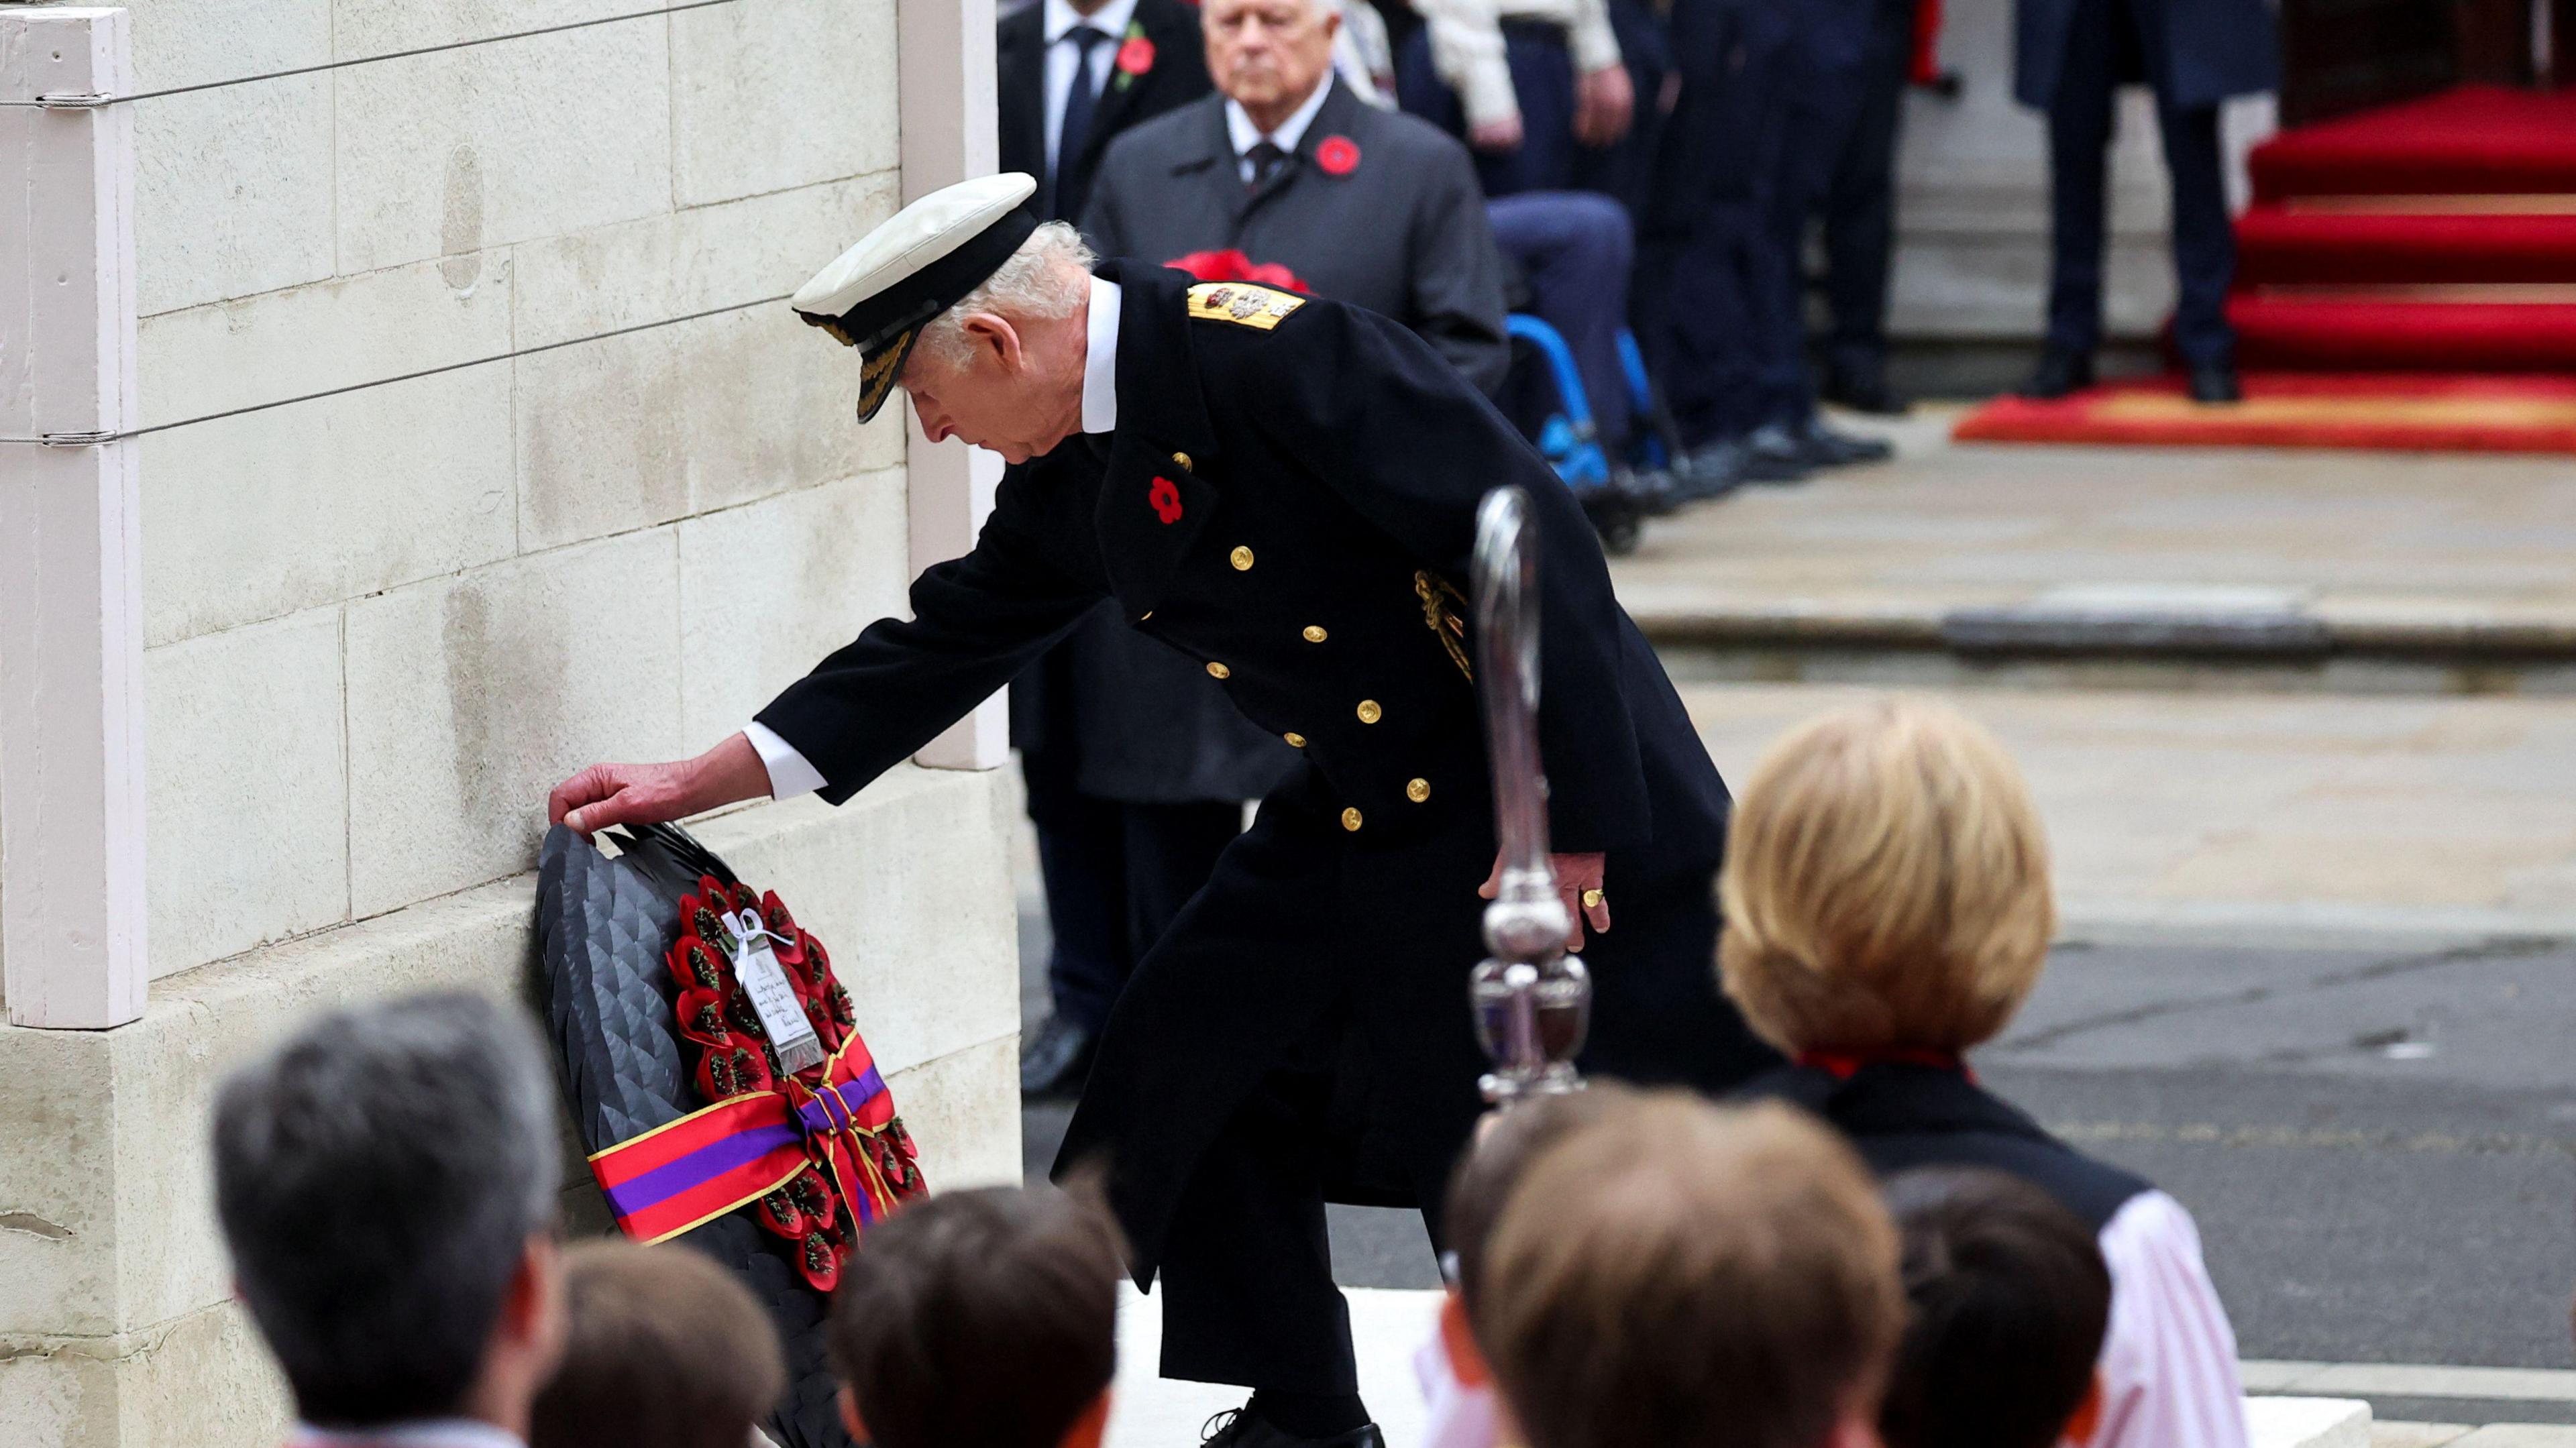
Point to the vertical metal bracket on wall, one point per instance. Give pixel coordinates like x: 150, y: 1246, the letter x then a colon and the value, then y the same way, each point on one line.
x: 944, y: 64
x: 72, y: 906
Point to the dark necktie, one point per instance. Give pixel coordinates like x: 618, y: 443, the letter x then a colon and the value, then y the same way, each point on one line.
x: 1265, y: 158
x: 1077, y: 113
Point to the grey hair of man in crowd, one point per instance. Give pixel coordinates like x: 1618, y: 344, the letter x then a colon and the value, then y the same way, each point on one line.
x: 379, y: 1176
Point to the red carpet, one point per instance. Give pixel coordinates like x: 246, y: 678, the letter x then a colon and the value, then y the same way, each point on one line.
x: 2344, y: 410
x: 2384, y: 250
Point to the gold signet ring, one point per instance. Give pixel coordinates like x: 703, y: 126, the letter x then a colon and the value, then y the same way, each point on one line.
x: 1593, y: 899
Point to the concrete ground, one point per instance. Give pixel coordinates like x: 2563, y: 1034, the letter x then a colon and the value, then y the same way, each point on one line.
x: 2317, y: 974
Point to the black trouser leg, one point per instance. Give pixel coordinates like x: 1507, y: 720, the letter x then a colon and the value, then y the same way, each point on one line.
x: 2079, y: 132
x: 1860, y: 203
x: 1247, y: 1271
x: 2204, y: 240
x: 1082, y: 846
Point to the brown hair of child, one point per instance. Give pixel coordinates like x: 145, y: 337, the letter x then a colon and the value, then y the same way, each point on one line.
x: 664, y: 1349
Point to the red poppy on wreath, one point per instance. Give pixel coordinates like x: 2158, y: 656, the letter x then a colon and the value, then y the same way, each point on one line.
x: 1136, y: 56
x: 1338, y: 156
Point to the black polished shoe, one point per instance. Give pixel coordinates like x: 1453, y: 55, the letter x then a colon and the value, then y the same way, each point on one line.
x: 1616, y: 516
x: 1056, y: 1058
x: 1774, y: 454
x: 2059, y: 372
x: 2215, y: 383
x: 1712, y: 470
x: 1863, y: 388
x: 1827, y: 448
x: 1239, y: 1428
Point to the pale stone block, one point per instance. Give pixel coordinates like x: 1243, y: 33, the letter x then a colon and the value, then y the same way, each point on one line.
x: 149, y: 1388
x: 248, y: 789
x: 448, y: 153
x: 233, y: 191
x: 2520, y: 1435
x: 779, y: 94
x: 471, y: 697
x: 58, y: 1178
x: 912, y: 899
x: 2307, y: 1423
x: 963, y: 1111
x: 273, y: 512
x: 381, y: 27
x: 642, y: 428
x: 193, y: 42
x: 767, y: 590
x: 570, y: 287
x: 330, y: 334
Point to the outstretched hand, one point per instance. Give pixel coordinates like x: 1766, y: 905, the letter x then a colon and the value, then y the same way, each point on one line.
x: 1577, y: 876
x: 648, y: 794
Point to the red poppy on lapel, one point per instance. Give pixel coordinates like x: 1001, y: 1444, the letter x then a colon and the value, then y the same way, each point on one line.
x: 1337, y: 156
x: 1136, y: 56
x: 1166, y: 499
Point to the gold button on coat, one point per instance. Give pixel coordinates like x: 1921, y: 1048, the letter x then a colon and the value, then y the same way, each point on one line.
x: 1314, y: 633
x: 1370, y: 713
x: 1181, y: 461
x: 1417, y: 790
x: 1350, y: 819
x: 1217, y: 670
x: 1295, y: 738
x: 1241, y: 558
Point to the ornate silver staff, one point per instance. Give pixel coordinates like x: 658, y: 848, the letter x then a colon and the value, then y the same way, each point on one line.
x: 1531, y: 999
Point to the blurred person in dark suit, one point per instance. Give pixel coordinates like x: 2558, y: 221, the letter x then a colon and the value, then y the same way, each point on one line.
x: 1528, y: 84
x: 1287, y: 166
x: 2069, y: 56
x: 1136, y: 58
x: 1860, y: 214
x: 1123, y: 837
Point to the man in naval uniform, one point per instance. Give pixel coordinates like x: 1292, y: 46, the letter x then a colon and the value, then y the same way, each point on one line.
x: 1284, y: 489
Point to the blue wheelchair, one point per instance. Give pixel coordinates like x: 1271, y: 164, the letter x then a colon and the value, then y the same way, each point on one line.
x: 1545, y: 397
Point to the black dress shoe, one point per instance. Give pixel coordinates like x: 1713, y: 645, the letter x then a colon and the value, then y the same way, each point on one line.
x: 1712, y: 470
x: 1616, y: 517
x: 1827, y: 448
x: 1056, y: 1058
x: 1864, y: 389
x: 2215, y: 382
x: 1238, y: 1428
x: 1774, y: 454
x: 2059, y: 372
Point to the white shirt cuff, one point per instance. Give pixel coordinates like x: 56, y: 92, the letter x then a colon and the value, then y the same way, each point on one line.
x: 790, y: 773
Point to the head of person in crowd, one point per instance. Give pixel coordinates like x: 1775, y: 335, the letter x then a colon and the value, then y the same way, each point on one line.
x: 970, y: 1291
x: 1886, y: 885
x: 2010, y: 1300
x: 665, y: 1349
x: 1268, y: 56
x: 386, y: 1180
x: 1505, y: 1146
x: 1692, y: 1276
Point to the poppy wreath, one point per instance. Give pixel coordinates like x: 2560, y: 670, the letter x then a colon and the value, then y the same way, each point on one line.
x: 818, y: 1153
x: 1231, y: 265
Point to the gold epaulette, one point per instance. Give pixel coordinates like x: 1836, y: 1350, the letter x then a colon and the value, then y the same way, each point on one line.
x: 1242, y: 303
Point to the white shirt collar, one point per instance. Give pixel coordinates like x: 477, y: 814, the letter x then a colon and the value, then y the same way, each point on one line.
x: 1110, y: 19
x: 417, y: 1433
x: 1240, y: 130
x: 1100, y: 360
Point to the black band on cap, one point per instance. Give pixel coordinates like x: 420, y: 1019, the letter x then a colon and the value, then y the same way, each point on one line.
x: 935, y: 288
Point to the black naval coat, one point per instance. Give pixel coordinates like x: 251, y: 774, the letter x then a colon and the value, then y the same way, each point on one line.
x: 1289, y: 499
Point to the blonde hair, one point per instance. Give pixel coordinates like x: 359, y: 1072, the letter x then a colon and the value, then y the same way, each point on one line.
x: 1691, y: 1276
x: 1045, y: 280
x: 1886, y: 884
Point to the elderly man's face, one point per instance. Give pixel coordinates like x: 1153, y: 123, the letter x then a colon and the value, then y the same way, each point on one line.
x: 1001, y: 398
x: 1266, y: 53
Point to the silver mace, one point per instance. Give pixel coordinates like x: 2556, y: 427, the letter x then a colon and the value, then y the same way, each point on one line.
x: 1532, y: 1000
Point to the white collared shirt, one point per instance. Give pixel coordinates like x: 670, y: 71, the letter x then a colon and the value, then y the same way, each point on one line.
x: 1240, y: 130
x: 417, y: 1433
x: 1111, y: 20
x: 790, y: 772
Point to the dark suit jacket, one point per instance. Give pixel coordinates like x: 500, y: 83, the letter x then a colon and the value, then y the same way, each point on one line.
x: 1403, y: 233
x: 2197, y: 52
x: 1178, y: 76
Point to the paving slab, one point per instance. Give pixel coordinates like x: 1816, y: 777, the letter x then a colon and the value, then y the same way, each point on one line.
x: 2247, y: 814
x: 2380, y: 550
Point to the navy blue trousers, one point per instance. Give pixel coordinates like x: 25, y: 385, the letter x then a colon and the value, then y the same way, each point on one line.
x: 1860, y: 197
x: 1576, y: 248
x: 2107, y: 33
x: 1547, y: 158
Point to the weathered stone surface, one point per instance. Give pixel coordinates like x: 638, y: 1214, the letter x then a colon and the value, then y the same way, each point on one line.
x: 470, y: 697
x: 381, y: 27
x: 964, y: 1112
x: 247, y: 788
x: 273, y: 512
x: 194, y: 42
x: 341, y: 332
x: 448, y: 153
x: 233, y: 191
x: 745, y: 80
x: 768, y: 589
x: 689, y: 261
x: 147, y: 1388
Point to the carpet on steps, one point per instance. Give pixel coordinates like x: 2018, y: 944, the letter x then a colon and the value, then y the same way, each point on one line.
x: 2292, y: 244
x: 2378, y: 411
x: 2471, y: 139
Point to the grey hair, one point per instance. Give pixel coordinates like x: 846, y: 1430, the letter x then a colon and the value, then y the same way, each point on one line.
x: 377, y: 1176
x: 1045, y: 280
